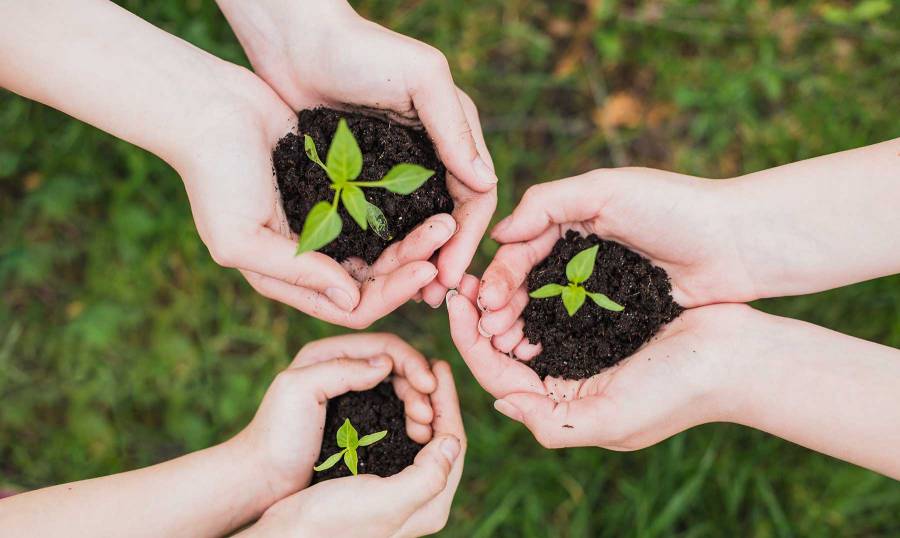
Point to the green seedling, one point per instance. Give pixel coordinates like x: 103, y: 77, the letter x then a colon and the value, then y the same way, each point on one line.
x: 578, y: 270
x: 343, y: 164
x: 348, y: 441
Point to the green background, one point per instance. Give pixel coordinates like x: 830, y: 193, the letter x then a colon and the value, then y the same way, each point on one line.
x: 122, y: 344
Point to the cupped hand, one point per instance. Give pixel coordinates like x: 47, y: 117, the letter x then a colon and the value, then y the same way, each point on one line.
x: 679, y: 222
x: 285, y: 436
x: 414, y: 502
x: 681, y: 378
x: 323, y: 53
x: 237, y: 209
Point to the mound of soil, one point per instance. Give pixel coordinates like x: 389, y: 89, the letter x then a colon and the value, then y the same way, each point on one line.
x: 383, y: 144
x: 582, y: 345
x: 369, y: 411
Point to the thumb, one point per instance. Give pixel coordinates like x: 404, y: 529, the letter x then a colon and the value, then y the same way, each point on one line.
x: 271, y: 254
x: 329, y: 379
x: 437, y: 103
x: 427, y: 476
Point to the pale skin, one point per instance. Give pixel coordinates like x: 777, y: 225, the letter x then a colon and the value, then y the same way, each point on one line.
x: 263, y: 472
x: 800, y: 228
x: 216, y: 124
x: 314, y: 53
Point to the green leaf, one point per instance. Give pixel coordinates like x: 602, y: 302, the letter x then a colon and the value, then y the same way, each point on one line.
x: 378, y: 222
x: 347, y: 437
x: 372, y: 438
x: 357, y: 205
x: 330, y: 462
x: 548, y: 290
x: 581, y: 265
x: 351, y: 459
x: 404, y: 178
x: 310, y: 146
x: 344, y: 158
x: 322, y: 225
x: 605, y: 302
x: 573, y: 297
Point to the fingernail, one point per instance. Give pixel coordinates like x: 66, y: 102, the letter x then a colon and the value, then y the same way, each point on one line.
x: 436, y: 305
x: 481, y: 329
x: 377, y: 362
x: 340, y: 298
x: 478, y: 302
x: 483, y: 171
x: 450, y: 448
x: 508, y: 409
x: 449, y: 229
x: 450, y: 295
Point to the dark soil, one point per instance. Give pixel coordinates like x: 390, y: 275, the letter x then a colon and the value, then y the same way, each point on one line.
x: 383, y: 144
x: 580, y: 346
x: 369, y: 411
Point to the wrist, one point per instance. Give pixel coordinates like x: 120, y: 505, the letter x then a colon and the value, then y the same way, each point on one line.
x: 260, y: 483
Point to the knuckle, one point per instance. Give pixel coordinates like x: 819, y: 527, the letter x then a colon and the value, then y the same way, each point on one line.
x: 224, y: 251
x: 435, y: 59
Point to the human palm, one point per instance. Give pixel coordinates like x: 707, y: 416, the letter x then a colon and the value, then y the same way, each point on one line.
x: 343, y: 60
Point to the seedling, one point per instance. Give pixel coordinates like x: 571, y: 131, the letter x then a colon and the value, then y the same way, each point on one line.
x: 348, y: 441
x: 578, y: 270
x: 343, y: 164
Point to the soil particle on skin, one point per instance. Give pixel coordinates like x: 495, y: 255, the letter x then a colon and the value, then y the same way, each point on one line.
x: 593, y: 339
x: 369, y: 411
x: 383, y: 144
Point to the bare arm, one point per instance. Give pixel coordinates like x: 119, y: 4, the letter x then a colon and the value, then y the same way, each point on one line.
x: 824, y: 390
x: 821, y: 223
x: 206, y: 493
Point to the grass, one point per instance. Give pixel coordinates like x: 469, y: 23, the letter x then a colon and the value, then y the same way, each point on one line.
x: 122, y: 344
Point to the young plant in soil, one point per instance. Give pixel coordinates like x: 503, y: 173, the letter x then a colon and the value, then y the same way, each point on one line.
x: 579, y: 338
x: 348, y: 440
x: 343, y: 164
x: 374, y: 410
x: 383, y: 144
x: 573, y: 295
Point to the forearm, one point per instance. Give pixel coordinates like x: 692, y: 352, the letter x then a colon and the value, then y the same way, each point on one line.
x: 95, y: 61
x: 824, y: 390
x: 820, y: 223
x: 207, y: 493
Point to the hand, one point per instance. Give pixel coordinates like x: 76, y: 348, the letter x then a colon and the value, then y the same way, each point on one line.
x: 679, y: 222
x: 285, y: 436
x: 682, y: 378
x: 414, y: 502
x: 323, y: 53
x: 238, y: 212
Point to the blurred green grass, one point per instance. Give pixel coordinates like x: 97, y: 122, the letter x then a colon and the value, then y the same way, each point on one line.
x: 122, y: 344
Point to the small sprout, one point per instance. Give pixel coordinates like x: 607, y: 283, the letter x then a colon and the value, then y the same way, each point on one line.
x: 578, y: 270
x: 343, y: 164
x: 348, y: 440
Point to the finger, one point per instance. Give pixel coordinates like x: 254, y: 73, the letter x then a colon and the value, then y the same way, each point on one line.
x: 433, y: 294
x: 332, y: 378
x: 508, y: 341
x: 555, y: 425
x: 473, y: 214
x: 427, y: 477
x: 473, y: 211
x: 468, y: 288
x: 573, y: 199
x: 525, y: 350
x: 417, y: 406
x: 510, y: 267
x: 380, y: 295
x: 420, y: 433
x: 437, y: 103
x: 445, y: 403
x: 408, y: 362
x: 500, y: 321
x: 419, y: 245
x: 270, y: 254
x: 497, y: 373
